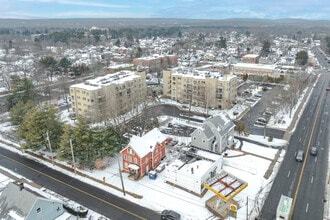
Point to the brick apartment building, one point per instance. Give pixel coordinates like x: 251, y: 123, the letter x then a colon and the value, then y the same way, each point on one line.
x: 157, y: 61
x: 250, y: 58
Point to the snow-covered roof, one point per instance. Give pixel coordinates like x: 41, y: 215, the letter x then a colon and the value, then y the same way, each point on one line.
x: 199, y: 74
x: 116, y: 78
x: 143, y: 145
x: 255, y: 66
x: 197, y: 168
x: 251, y: 55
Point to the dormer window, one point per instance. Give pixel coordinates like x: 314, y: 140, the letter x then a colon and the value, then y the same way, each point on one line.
x: 130, y: 151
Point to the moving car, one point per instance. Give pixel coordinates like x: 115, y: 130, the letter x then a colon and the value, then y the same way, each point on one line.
x: 300, y: 156
x: 313, y: 151
x: 170, y: 215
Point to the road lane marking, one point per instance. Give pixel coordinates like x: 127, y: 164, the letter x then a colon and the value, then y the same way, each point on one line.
x: 304, y: 162
x: 289, y: 173
x: 307, y: 207
x: 299, y: 139
x: 312, y: 179
x: 315, y: 159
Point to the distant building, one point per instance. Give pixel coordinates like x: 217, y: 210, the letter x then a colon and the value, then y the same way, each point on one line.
x: 143, y: 154
x: 157, y: 61
x: 200, y: 88
x: 108, y: 96
x: 215, y: 135
x: 250, y: 58
x: 119, y: 67
x: 255, y: 69
x: 18, y: 202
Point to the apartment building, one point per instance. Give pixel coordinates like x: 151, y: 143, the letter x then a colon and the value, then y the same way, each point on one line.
x: 200, y: 88
x: 251, y: 58
x: 108, y: 96
x: 255, y: 69
x: 157, y: 61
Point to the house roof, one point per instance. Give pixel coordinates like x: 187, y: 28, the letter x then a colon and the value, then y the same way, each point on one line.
x: 143, y: 145
x: 222, y: 122
x: 17, y: 200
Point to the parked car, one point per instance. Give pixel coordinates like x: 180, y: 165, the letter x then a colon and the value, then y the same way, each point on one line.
x: 267, y: 113
x: 313, y: 151
x: 328, y: 89
x: 262, y: 120
x: 300, y: 156
x: 169, y: 215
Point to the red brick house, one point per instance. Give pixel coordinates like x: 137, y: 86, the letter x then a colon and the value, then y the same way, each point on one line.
x: 143, y: 154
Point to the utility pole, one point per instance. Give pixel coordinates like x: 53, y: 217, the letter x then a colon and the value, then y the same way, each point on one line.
x: 247, y: 208
x: 121, y: 177
x: 50, y: 148
x: 73, y: 162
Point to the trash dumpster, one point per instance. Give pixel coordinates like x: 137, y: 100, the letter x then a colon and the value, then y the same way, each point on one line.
x: 152, y: 175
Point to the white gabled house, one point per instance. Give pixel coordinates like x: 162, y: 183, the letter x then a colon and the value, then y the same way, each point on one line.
x: 215, y: 135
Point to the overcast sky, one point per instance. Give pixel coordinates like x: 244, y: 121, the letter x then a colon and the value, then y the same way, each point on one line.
x: 190, y: 9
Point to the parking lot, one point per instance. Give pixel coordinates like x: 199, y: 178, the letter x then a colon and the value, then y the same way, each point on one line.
x: 178, y: 130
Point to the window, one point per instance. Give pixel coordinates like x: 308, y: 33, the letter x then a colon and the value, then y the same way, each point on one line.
x: 38, y: 210
x: 125, y: 157
x: 204, y: 140
x: 130, y: 151
x: 135, y: 160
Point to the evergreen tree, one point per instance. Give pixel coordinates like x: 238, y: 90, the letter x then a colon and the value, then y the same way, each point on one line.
x: 22, y: 90
x: 64, y: 149
x: 19, y: 110
x: 302, y: 58
x: 37, y: 122
x: 82, y: 143
x: 265, y: 48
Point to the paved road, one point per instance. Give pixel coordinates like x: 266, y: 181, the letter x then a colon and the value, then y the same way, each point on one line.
x: 305, y: 182
x: 94, y: 198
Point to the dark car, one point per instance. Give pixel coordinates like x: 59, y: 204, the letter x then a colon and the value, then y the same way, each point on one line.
x: 313, y: 151
x: 170, y: 215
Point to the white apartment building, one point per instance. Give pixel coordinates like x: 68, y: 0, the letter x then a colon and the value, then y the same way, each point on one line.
x: 108, y: 96
x: 206, y: 89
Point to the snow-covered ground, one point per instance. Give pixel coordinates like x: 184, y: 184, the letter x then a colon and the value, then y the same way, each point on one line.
x: 250, y: 165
